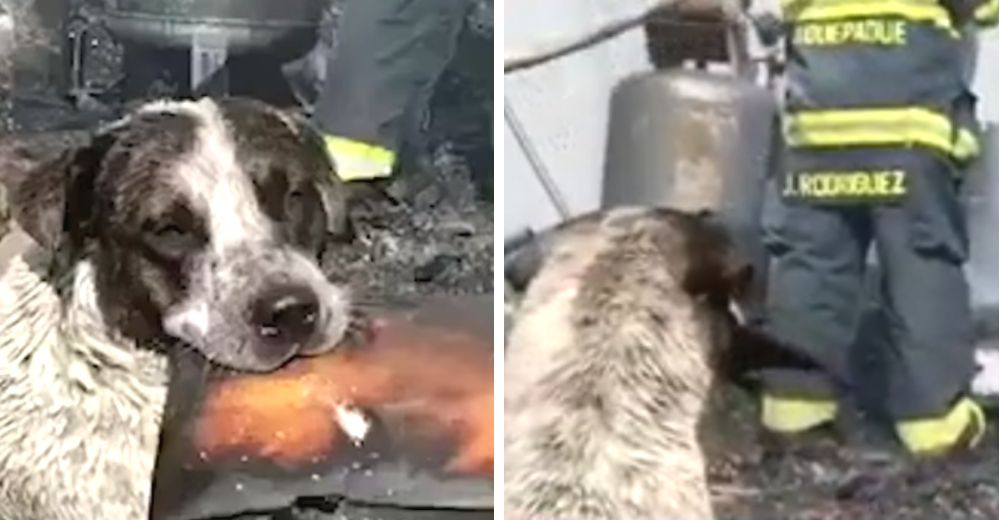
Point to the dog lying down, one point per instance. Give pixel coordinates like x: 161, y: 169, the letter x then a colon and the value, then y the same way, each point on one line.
x: 623, y: 328
x: 193, y: 225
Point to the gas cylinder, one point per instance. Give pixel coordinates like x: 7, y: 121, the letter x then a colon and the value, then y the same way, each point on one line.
x: 693, y: 140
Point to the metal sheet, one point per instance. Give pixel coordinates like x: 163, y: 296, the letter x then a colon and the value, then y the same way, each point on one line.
x: 265, y: 11
x: 244, y: 25
x: 234, y: 443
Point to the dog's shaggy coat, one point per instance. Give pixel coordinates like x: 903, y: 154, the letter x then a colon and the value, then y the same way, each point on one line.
x: 609, y: 364
x: 79, y: 408
x: 158, y: 233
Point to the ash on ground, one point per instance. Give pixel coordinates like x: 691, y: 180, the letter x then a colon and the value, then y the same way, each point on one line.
x: 860, y: 474
x: 424, y: 233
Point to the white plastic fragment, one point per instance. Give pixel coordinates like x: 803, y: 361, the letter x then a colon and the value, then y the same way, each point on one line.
x: 987, y: 379
x: 353, y: 422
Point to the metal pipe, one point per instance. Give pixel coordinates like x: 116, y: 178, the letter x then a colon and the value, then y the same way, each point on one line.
x: 546, y: 53
x: 535, y: 161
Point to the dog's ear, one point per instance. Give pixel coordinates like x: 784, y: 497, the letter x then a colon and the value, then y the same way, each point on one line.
x: 523, y: 257
x: 333, y: 193
x: 738, y: 276
x: 717, y: 269
x: 48, y: 180
x: 720, y: 282
x: 336, y: 204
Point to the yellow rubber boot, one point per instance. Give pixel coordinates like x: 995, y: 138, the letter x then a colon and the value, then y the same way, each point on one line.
x: 355, y: 160
x: 962, y: 427
x: 795, y: 414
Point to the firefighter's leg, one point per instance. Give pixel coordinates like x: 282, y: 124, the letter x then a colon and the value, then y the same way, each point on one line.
x: 922, y: 245
x: 378, y: 82
x: 814, y: 285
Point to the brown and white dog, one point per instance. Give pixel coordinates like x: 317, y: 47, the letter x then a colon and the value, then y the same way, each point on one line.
x: 621, y: 333
x: 185, y: 225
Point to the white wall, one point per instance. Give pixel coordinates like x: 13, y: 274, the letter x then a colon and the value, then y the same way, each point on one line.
x: 563, y: 105
x: 985, y: 78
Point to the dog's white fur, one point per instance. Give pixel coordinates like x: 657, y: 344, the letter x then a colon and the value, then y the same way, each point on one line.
x: 87, y: 443
x: 626, y: 461
x: 208, y: 179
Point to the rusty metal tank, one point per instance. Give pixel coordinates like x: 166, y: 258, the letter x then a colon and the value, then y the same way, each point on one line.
x: 694, y: 140
x: 242, y: 25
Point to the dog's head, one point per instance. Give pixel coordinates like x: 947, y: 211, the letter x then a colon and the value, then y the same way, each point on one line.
x: 697, y: 251
x: 695, y: 248
x: 202, y: 221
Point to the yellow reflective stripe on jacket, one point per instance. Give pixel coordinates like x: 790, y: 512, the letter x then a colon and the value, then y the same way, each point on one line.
x: 912, y: 10
x: 988, y: 13
x: 355, y: 160
x: 883, y: 126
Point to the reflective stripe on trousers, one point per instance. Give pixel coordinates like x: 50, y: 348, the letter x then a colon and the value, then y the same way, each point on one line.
x: 987, y: 13
x: 816, y: 295
x: 355, y: 160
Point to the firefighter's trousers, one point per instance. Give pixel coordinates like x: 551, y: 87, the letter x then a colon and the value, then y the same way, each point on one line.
x: 818, y: 252
x: 379, y: 81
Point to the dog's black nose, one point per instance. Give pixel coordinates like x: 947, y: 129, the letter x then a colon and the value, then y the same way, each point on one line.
x: 287, y: 315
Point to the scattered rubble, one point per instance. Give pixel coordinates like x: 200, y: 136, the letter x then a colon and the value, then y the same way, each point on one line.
x: 436, y: 237
x: 861, y: 476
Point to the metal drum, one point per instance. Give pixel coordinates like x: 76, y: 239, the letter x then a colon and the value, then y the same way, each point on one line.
x: 694, y: 140
x: 198, y: 47
x: 243, y: 25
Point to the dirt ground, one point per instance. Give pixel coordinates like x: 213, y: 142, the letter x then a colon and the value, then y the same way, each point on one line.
x: 436, y: 236
x: 858, y: 474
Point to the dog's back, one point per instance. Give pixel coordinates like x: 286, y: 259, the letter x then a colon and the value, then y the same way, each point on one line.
x: 607, y: 371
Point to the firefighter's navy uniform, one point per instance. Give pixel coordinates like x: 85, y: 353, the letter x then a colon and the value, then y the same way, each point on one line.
x: 879, y: 125
x: 379, y: 81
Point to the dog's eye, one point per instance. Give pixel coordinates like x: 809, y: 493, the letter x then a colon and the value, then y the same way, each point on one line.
x: 170, y: 239
x: 169, y: 232
x: 294, y: 205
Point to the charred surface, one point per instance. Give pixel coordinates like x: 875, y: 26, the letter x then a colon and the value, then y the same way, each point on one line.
x: 259, y: 442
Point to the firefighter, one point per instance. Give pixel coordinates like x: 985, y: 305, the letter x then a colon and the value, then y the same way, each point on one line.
x: 380, y: 79
x: 879, y: 128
